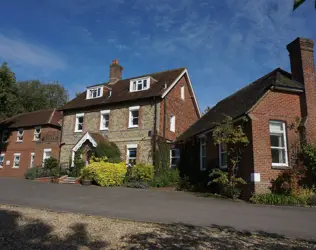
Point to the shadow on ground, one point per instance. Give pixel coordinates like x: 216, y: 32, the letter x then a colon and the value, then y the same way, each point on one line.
x: 19, y: 232
x: 34, y: 234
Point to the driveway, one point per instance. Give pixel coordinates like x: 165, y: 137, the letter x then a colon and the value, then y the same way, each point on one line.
x: 160, y: 206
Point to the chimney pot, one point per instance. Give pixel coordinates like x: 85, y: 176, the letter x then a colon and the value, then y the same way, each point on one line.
x: 115, y: 72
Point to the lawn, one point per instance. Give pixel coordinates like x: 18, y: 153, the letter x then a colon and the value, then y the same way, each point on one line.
x: 27, y: 228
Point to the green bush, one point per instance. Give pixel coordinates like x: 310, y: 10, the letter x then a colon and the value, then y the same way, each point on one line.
x: 142, y: 172
x: 136, y: 184
x: 281, y: 199
x: 229, y: 186
x: 167, y: 178
x: 185, y: 184
x: 110, y: 150
x: 308, y: 155
x: 31, y: 173
x: 105, y: 173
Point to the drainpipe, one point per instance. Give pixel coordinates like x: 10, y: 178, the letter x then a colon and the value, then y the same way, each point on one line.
x: 154, y: 133
x: 164, y: 116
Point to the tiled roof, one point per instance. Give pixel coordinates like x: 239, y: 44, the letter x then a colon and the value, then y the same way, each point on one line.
x: 36, y: 118
x: 241, y: 101
x: 121, y: 93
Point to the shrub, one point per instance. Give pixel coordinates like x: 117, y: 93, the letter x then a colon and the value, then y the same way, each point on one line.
x: 142, y: 172
x: 167, y: 178
x: 312, y: 200
x: 50, y: 163
x: 31, y: 173
x: 106, y: 173
x: 308, y: 155
x: 136, y: 184
x: 280, y: 199
x: 110, y: 150
x: 98, y: 159
x: 184, y: 184
x: 228, y: 184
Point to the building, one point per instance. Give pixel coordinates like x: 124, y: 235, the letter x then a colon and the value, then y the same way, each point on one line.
x: 132, y: 113
x: 273, y: 107
x: 27, y: 140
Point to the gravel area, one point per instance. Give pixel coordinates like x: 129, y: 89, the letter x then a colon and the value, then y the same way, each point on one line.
x: 27, y: 228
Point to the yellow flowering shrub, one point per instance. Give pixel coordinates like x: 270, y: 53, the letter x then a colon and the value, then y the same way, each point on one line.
x: 142, y: 172
x: 106, y: 174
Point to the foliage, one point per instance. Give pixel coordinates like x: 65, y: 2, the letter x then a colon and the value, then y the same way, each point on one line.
x: 142, y: 172
x: 93, y: 159
x: 228, y: 183
x: 105, y: 173
x: 282, y: 199
x: 185, y: 184
x: 110, y: 150
x: 136, y: 184
x: 75, y: 171
x: 298, y: 3
x: 312, y: 200
x: 162, y: 154
x: 308, y: 154
x: 167, y: 178
x: 30, y: 173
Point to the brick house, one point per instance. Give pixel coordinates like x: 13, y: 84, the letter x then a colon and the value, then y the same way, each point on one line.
x: 27, y: 139
x: 273, y: 106
x: 131, y: 113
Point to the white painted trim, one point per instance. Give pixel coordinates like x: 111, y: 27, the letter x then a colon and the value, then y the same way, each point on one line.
x: 46, y: 150
x: 16, y: 154
x: 190, y: 84
x: 84, y: 138
x: 2, y: 155
x: 32, y: 154
x: 103, y: 112
x: 95, y: 87
x: 128, y: 147
x: 76, y: 122
x: 147, y: 78
x: 255, y: 177
x: 286, y: 164
x: 7, y: 135
x: 17, y: 134
x: 134, y: 108
x: 182, y: 93
x: 37, y: 127
x: 172, y: 125
x: 79, y: 114
x: 131, y: 145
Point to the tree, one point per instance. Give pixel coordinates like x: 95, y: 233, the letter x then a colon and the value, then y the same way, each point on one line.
x: 9, y: 104
x: 227, y: 132
x: 298, y: 3
x: 208, y: 108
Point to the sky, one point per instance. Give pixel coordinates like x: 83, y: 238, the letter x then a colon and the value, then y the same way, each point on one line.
x: 224, y: 44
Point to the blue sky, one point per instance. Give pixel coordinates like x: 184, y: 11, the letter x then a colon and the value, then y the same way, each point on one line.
x: 224, y: 44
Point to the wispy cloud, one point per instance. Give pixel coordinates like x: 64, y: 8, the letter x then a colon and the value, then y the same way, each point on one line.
x: 28, y: 54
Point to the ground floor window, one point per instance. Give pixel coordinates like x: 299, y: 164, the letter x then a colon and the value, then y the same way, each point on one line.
x: 131, y: 155
x: 16, y: 160
x: 278, y: 143
x: 1, y: 160
x: 32, y: 160
x: 174, y: 157
x: 222, y: 147
x: 46, y: 154
x: 203, y: 153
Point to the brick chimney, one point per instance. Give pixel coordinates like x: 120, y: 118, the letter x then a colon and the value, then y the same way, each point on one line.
x: 115, y: 72
x: 303, y: 70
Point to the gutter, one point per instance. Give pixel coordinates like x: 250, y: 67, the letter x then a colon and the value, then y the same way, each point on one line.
x: 287, y: 89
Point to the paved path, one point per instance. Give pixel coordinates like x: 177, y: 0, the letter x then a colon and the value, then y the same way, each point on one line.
x: 160, y: 206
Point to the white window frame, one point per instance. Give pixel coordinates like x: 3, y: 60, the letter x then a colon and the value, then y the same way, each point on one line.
x: 5, y: 134
x: 130, y: 147
x: 135, y: 83
x: 202, y: 143
x: 182, y: 92
x: 32, y: 160
x: 130, y: 117
x: 278, y: 132
x: 2, y: 163
x: 173, y: 123
x: 18, y: 135
x: 37, y: 133
x: 14, y: 161
x: 46, y: 150
x: 102, y: 114
x: 220, y: 153
x: 177, y: 157
x: 77, y: 122
x: 98, y: 90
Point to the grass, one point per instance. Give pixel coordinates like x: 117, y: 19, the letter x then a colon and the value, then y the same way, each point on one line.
x: 27, y: 228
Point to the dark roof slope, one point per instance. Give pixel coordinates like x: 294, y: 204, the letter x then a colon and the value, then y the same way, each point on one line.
x: 120, y: 90
x: 241, y: 101
x: 31, y: 119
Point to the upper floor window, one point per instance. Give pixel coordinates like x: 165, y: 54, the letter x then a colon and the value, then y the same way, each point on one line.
x: 203, y: 153
x: 278, y: 143
x: 222, y: 147
x: 182, y: 92
x: 105, y: 118
x: 1, y: 160
x: 5, y: 136
x: 94, y: 92
x: 139, y: 84
x: 37, y: 134
x: 133, y: 117
x: 19, y: 137
x: 172, y: 123
x: 79, y: 122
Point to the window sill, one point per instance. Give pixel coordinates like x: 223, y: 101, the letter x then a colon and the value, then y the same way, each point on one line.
x: 78, y: 131
x: 280, y: 167
x: 132, y: 126
x: 202, y: 169
x: 223, y: 168
x: 36, y: 140
x: 104, y: 129
x: 19, y: 141
x: 16, y: 167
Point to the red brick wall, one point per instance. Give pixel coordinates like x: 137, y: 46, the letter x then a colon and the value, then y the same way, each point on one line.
x: 185, y: 111
x: 25, y: 148
x: 273, y: 106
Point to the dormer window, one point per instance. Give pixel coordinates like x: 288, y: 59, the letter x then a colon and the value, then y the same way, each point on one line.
x: 139, y: 84
x: 94, y: 92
